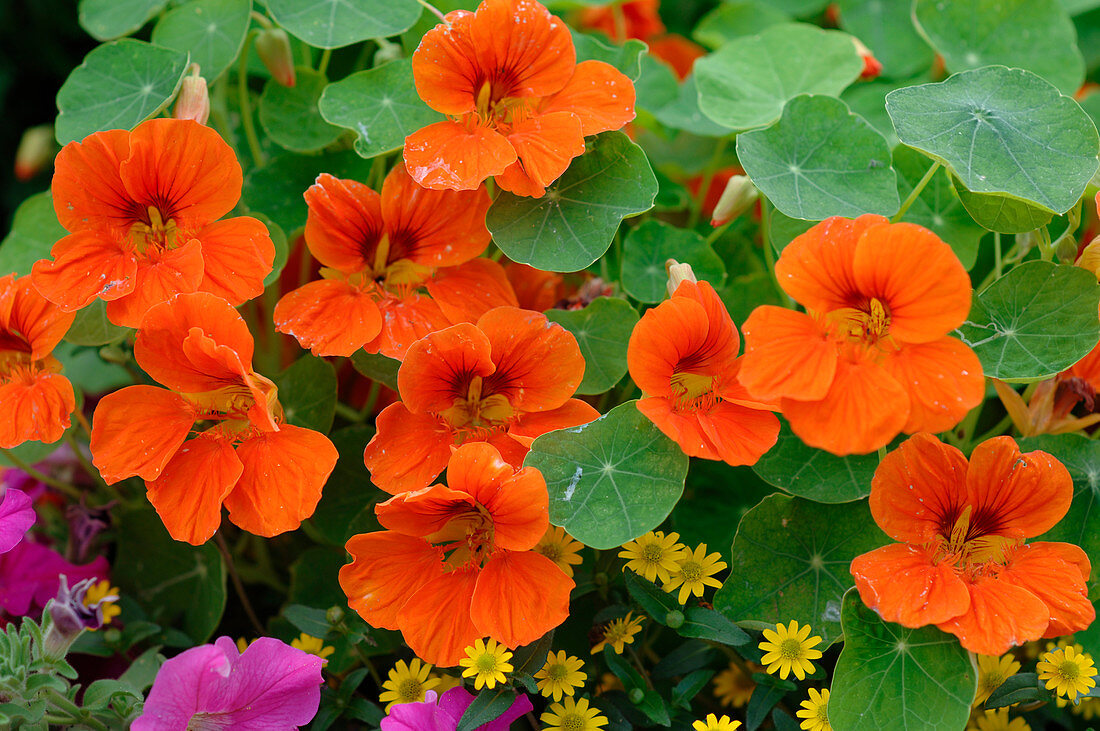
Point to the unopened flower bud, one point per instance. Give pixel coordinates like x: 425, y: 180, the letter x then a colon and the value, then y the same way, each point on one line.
x: 872, y: 67
x: 36, y: 149
x: 636, y: 695
x: 334, y: 615
x: 678, y: 274
x: 69, y: 616
x: 738, y: 197
x: 675, y: 619
x: 193, y: 101
x: 273, y: 48
x: 387, y: 51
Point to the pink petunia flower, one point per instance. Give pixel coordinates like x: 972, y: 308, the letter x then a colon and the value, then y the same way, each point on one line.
x: 269, y: 687
x: 444, y: 715
x: 30, y: 574
x: 16, y: 518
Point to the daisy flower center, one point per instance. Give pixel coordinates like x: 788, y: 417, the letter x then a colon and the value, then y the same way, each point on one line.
x: 791, y: 649
x: 552, y: 551
x: 653, y: 553
x: 1069, y: 670
x: 557, y: 672
x: 572, y: 722
x: 486, y: 663
x: 409, y: 690
x: 691, y: 571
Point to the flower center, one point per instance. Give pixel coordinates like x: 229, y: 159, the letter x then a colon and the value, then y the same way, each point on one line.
x: 572, y: 722
x: 790, y: 649
x: 1069, y: 670
x: 486, y: 663
x: 868, y: 324
x: 409, y: 690
x: 693, y: 391
x: 156, y: 234
x: 477, y: 411
x: 552, y: 551
x: 969, y: 545
x: 652, y: 553
x: 691, y: 571
x: 557, y: 672
x: 823, y: 713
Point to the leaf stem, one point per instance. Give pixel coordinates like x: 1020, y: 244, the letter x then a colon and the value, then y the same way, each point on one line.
x: 62, y: 487
x: 769, y: 251
x: 322, y: 65
x: 915, y: 192
x: 434, y: 11
x: 246, y: 104
x: 219, y: 541
x: 84, y: 463
x: 998, y: 261
x: 708, y: 178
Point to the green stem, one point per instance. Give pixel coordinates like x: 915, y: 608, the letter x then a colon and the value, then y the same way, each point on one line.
x: 998, y: 261
x: 769, y: 251
x: 372, y: 399
x: 322, y: 65
x: 716, y: 233
x: 996, y: 431
x: 434, y: 11
x: 246, y: 104
x: 1046, y: 248
x: 218, y: 105
x: 708, y: 178
x: 619, y: 18
x: 219, y: 541
x: 348, y: 413
x: 881, y: 453
x: 368, y: 665
x: 62, y: 487
x: 915, y: 193
x: 84, y: 463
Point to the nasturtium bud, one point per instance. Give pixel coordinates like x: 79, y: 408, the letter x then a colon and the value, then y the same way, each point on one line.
x: 273, y: 48
x: 193, y: 101
x: 36, y: 149
x: 738, y: 197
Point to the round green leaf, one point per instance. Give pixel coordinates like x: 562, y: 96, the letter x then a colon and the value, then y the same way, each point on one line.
x: 117, y: 86
x: 1004, y: 131
x: 336, y: 23
x: 790, y: 560
x: 381, y: 105
x: 683, y: 113
x: 91, y: 326
x: 815, y: 474
x: 736, y: 19
x: 610, y: 480
x: 800, y: 8
x: 1034, y: 322
x: 1036, y: 35
x: 1000, y: 213
x: 212, y: 31
x: 107, y: 19
x: 34, y: 231
x: 626, y: 57
x: 276, y: 189
x: 602, y: 330
x: 307, y: 393
x: 654, y: 242
x: 887, y: 29
x: 746, y: 82
x: 1081, y: 525
x: 892, y: 678
x: 820, y: 160
x: 573, y: 224
x: 289, y: 115
x: 937, y: 208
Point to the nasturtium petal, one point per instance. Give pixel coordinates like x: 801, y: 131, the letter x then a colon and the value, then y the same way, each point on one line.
x: 648, y: 246
x: 337, y: 23
x: 746, y: 82
x: 887, y: 29
x: 602, y: 330
x: 212, y: 31
x: 34, y: 231
x: 610, y: 480
x: 893, y: 678
x: 573, y: 224
x: 1004, y: 131
x: 107, y: 19
x: 1036, y: 35
x: 820, y: 160
x: 381, y: 105
x: 815, y: 474
x: 790, y: 560
x: 1034, y: 322
x: 118, y: 85
x: 290, y: 117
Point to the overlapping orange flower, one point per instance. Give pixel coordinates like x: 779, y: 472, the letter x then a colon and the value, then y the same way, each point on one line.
x: 269, y: 474
x: 379, y: 251
x: 142, y: 209
x: 456, y: 564
x: 505, y: 380
x: 35, y: 399
x: 519, y: 104
x: 962, y: 563
x: 683, y: 355
x: 871, y: 356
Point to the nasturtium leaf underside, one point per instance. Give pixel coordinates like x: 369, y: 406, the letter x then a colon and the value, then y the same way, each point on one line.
x: 683, y: 113
x: 276, y: 189
x: 118, y: 85
x: 887, y: 29
x: 626, y: 57
x: 820, y: 160
x: 348, y: 489
x: 1004, y: 131
x: 746, y: 82
x: 337, y: 23
x: 34, y: 231
x: 790, y: 560
x: 91, y: 326
x: 1000, y: 213
x: 107, y: 19
x: 735, y: 19
x: 892, y: 678
x: 212, y: 31
x: 648, y: 246
x: 1081, y: 525
x: 381, y: 105
x: 610, y: 480
x: 602, y: 330
x: 289, y: 115
x: 656, y: 86
x: 573, y: 224
x: 1036, y: 35
x: 1034, y: 322
x: 815, y: 474
x: 937, y: 208
x: 376, y: 367
x: 307, y: 393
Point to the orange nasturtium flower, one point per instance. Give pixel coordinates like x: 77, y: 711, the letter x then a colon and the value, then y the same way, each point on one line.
x: 519, y: 104
x: 456, y: 564
x: 683, y: 355
x: 267, y: 473
x: 505, y: 380
x: 962, y: 563
x: 621, y: 20
x: 142, y: 209
x: 378, y: 252
x: 35, y: 399
x: 871, y: 356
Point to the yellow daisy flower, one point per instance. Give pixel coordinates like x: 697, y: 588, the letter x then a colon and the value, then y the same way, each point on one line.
x: 992, y: 673
x: 1088, y: 708
x: 694, y: 571
x: 486, y: 664
x: 407, y: 683
x: 573, y: 715
x: 654, y: 555
x: 103, y: 590
x: 312, y: 645
x: 560, y: 674
x: 734, y: 686
x: 997, y: 720
x: 242, y: 644
x: 1067, y: 672
x: 561, y: 548
x: 790, y: 648
x: 814, y: 711
x: 619, y: 633
x: 715, y: 723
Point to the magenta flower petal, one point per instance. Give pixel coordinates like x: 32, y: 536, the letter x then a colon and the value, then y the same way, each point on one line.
x: 16, y: 518
x: 270, y: 687
x: 30, y: 574
x: 445, y: 714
